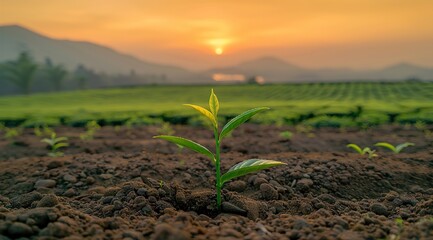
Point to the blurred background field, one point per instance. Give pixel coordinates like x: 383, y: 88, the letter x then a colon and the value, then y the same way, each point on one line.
x: 316, y: 104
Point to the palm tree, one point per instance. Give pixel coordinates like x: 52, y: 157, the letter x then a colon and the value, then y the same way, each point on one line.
x: 21, y: 71
x: 55, y: 74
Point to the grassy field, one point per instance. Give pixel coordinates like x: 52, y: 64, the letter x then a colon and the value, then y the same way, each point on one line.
x: 318, y: 104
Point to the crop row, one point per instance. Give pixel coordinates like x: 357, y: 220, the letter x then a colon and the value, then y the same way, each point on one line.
x: 315, y: 104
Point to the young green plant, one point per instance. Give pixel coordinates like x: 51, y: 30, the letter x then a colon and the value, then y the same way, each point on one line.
x: 366, y: 150
x: 240, y: 169
x: 396, y: 149
x: 55, y: 143
x: 91, y: 128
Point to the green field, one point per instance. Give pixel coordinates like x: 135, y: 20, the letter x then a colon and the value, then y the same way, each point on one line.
x: 316, y: 104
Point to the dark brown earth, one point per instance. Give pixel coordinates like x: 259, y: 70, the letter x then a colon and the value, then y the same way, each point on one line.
x: 125, y: 185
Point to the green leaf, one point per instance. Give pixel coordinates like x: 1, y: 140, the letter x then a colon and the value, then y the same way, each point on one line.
x: 248, y: 166
x: 47, y: 141
x: 60, y: 139
x: 205, y: 112
x: 214, y: 105
x: 403, y: 145
x: 189, y: 144
x: 59, y: 145
x: 386, y: 145
x: 356, y: 148
x: 238, y: 120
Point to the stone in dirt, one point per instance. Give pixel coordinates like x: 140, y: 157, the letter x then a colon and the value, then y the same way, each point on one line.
x: 379, y: 209
x: 238, y: 186
x: 49, y: 200
x: 268, y: 192
x: 25, y: 200
x: 18, y: 229
x: 56, y: 229
x: 231, y: 208
x: 70, y: 178
x: 46, y: 183
x: 304, y: 184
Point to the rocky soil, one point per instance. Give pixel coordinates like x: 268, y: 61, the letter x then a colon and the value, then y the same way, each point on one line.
x: 125, y: 185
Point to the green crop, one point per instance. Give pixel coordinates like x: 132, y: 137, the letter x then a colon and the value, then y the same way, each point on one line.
x: 55, y: 143
x: 286, y: 134
x: 12, y: 133
x: 43, y: 131
x: 240, y: 169
x: 395, y: 149
x: 371, y: 153
x: 91, y: 128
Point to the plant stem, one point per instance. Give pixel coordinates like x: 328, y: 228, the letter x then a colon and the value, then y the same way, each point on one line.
x: 218, y: 170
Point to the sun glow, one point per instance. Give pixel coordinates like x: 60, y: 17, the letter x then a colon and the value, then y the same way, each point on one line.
x: 219, y: 51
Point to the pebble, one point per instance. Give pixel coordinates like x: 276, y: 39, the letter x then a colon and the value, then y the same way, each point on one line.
x: 106, y: 176
x: 70, y: 193
x: 46, y: 183
x: 304, y: 184
x: 379, y: 209
x: 237, y: 186
x: 49, y: 200
x: 70, y: 178
x: 18, y: 229
x: 268, y: 192
x: 57, y: 229
x: 25, y: 200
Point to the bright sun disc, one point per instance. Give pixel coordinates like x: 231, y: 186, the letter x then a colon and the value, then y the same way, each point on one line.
x: 218, y: 51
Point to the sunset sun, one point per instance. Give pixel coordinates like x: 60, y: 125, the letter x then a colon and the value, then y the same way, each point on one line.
x: 219, y: 51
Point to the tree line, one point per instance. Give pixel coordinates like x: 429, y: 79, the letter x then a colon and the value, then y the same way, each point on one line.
x: 24, y: 75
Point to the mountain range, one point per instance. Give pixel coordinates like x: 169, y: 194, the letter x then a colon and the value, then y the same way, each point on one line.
x: 15, y: 39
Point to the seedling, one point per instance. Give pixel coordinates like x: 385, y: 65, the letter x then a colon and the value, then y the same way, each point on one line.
x: 240, y: 169
x: 395, y: 149
x: 366, y: 150
x: 286, y: 134
x: 91, y: 128
x: 44, y: 131
x: 12, y: 133
x: 166, y: 129
x: 55, y: 143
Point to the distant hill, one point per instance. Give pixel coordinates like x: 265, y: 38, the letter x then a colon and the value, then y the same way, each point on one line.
x: 277, y: 70
x: 15, y: 39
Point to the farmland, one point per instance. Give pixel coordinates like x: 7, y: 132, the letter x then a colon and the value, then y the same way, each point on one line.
x: 112, y: 180
x: 317, y: 104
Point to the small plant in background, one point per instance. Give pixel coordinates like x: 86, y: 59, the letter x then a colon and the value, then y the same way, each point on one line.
x: 371, y: 153
x: 43, y: 131
x: 240, y: 169
x: 91, y: 128
x: 166, y: 129
x: 286, y: 135
x: 12, y: 133
x: 395, y: 149
x: 54, y: 144
x: 420, y: 125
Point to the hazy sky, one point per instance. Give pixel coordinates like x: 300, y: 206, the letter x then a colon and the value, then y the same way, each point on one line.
x: 313, y: 33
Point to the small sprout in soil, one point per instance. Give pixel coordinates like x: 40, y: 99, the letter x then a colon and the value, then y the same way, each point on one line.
x: 43, y: 131
x: 286, y: 135
x: 54, y: 144
x: 12, y: 133
x: 91, y: 128
x: 240, y: 169
x: 166, y: 129
x: 420, y: 125
x: 395, y: 149
x: 161, y: 183
x: 366, y: 150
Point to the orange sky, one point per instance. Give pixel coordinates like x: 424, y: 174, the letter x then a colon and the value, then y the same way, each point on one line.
x: 314, y: 33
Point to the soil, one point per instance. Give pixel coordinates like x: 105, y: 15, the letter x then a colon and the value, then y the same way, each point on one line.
x: 125, y: 185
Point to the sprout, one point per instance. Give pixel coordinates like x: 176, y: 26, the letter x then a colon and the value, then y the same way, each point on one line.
x: 240, y: 169
x: 366, y: 150
x: 395, y: 149
x: 55, y: 143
